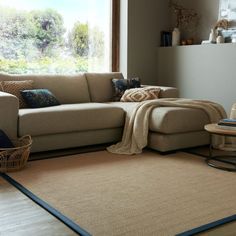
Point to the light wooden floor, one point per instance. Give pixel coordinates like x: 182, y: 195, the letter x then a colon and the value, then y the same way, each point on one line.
x: 19, y: 216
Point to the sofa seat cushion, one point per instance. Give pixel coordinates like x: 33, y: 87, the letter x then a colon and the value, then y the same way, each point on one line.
x: 126, y: 106
x: 170, y: 120
x: 69, y: 118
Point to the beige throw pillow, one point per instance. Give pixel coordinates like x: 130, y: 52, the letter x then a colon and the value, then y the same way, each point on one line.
x: 140, y: 94
x: 1, y: 89
x: 14, y: 87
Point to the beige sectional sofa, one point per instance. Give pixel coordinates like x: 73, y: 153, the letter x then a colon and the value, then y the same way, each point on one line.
x: 87, y: 115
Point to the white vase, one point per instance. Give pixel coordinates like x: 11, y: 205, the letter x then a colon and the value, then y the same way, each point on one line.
x: 220, y: 39
x: 212, y: 36
x: 175, y: 37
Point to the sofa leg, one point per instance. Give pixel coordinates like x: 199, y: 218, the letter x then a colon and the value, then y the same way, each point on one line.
x: 166, y: 153
x: 162, y: 153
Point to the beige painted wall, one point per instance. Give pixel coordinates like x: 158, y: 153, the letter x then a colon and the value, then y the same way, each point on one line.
x: 140, y: 38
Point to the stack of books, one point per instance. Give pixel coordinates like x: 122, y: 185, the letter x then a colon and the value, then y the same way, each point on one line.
x: 166, y: 39
x: 227, y: 124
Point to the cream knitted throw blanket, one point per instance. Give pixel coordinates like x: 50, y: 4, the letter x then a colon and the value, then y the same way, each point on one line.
x: 136, y: 128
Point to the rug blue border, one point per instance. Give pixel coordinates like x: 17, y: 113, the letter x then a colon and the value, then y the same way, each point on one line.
x: 208, y: 226
x: 68, y: 222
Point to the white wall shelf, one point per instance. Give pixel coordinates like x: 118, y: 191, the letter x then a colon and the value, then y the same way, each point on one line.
x: 200, y: 71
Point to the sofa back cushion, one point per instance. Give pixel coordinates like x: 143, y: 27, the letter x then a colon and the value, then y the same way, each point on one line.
x: 66, y: 88
x: 166, y: 92
x: 100, y: 85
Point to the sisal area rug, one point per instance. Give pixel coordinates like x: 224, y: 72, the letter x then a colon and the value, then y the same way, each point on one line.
x: 146, y: 194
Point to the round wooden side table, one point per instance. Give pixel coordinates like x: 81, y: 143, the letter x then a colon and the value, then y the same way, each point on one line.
x: 220, y: 161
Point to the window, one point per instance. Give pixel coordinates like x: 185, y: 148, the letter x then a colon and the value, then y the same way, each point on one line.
x: 50, y: 36
x: 227, y: 9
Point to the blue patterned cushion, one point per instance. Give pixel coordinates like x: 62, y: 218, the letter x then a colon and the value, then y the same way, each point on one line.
x: 120, y: 85
x: 37, y: 98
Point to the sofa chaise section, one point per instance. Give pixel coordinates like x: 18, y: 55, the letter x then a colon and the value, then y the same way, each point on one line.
x: 172, y: 128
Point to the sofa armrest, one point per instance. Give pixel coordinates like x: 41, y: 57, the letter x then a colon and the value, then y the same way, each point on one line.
x: 9, y: 107
x: 166, y: 92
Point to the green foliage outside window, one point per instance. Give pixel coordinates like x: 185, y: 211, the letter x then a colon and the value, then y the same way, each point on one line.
x: 35, y: 42
x: 85, y: 41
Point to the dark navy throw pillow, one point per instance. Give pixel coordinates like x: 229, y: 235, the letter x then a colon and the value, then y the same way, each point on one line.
x: 37, y: 98
x: 120, y: 85
x: 5, y: 142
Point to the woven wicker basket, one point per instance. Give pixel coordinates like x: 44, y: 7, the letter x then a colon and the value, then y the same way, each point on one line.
x: 12, y: 159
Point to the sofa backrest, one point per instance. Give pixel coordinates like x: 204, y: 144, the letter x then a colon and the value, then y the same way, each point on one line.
x: 66, y: 88
x: 166, y: 92
x: 100, y: 85
x: 81, y: 88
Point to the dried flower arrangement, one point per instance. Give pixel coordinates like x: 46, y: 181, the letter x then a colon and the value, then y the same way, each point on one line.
x: 223, y: 24
x: 184, y: 16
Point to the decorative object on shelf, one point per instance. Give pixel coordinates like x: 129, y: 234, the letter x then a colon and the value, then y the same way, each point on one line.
x: 175, y: 37
x: 187, y: 41
x: 184, y: 16
x: 216, y: 35
x: 166, y: 38
x: 190, y: 41
x: 222, y: 24
x: 183, y: 42
x: 222, y: 27
x: 213, y: 36
x: 228, y: 34
x: 220, y: 39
